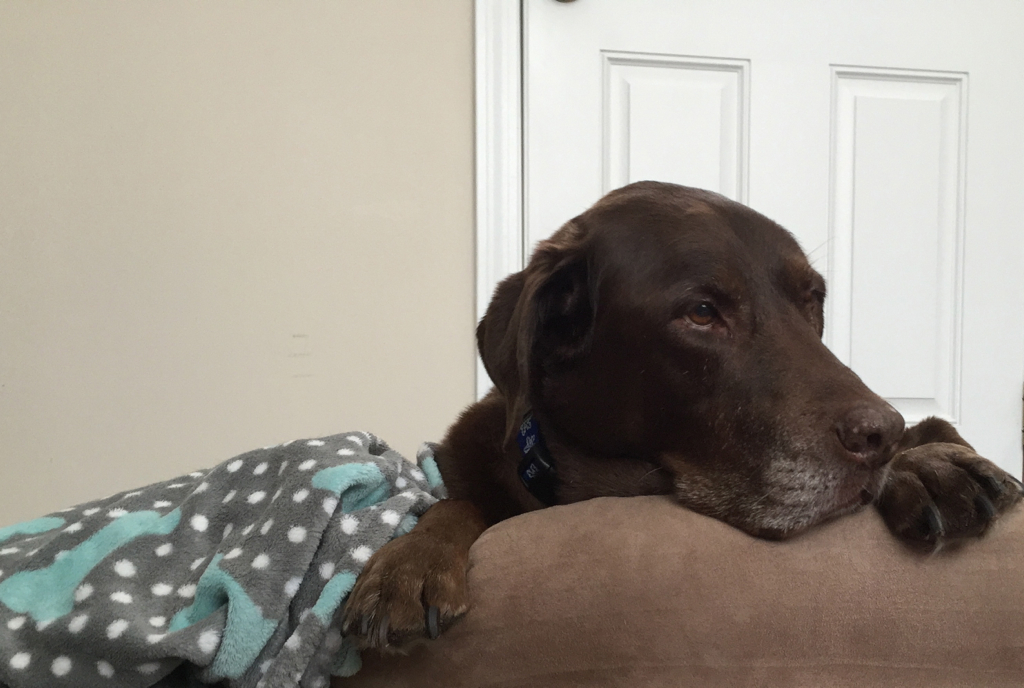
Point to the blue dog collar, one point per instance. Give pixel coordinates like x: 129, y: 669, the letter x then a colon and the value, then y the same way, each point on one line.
x: 537, y: 467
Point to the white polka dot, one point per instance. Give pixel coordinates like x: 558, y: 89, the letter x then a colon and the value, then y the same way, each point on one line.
x: 78, y: 623
x: 267, y: 526
x: 196, y: 474
x: 234, y: 554
x: 61, y: 666
x: 248, y: 529
x: 227, y: 530
x: 90, y: 512
x: 361, y: 553
x: 355, y: 438
x: 234, y: 465
x: 148, y: 668
x: 115, y: 629
x: 265, y: 665
x: 417, y: 474
x: 21, y: 661
x: 330, y: 504
x: 292, y: 586
x: 345, y: 452
x: 208, y: 641
x: 73, y: 528
x: 349, y: 524
x: 164, y: 549
x: 162, y: 590
x: 261, y: 561
x: 315, y: 443
x: 175, y: 486
x: 116, y: 513
x: 294, y: 642
x: 307, y: 464
x: 83, y: 592
x: 125, y: 568
x: 276, y: 495
x: 261, y: 469
x: 121, y: 596
x: 390, y: 517
x: 104, y: 669
x: 199, y: 523
x: 154, y: 638
x: 297, y: 534
x: 16, y: 623
x: 157, y: 621
x: 300, y: 496
x: 256, y: 497
x: 187, y: 590
x: 202, y: 487
x: 9, y: 550
x: 161, y: 504
x: 400, y: 483
x: 134, y: 493
x: 326, y: 570
x: 197, y: 563
x: 229, y: 496
x: 43, y: 625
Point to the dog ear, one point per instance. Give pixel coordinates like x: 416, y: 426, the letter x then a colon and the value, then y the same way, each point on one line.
x: 539, y: 320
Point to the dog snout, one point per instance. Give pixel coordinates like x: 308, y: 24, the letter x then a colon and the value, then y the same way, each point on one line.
x: 870, y: 434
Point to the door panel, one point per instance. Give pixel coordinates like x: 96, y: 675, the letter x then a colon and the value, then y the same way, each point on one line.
x: 886, y: 136
x: 676, y: 119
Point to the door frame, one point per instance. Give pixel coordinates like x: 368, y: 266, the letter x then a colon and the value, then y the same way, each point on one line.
x: 500, y: 229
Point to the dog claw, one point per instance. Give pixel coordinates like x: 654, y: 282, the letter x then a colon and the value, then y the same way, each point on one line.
x: 985, y: 506
x: 994, y: 485
x: 382, y: 632
x: 432, y: 622
x: 934, y: 518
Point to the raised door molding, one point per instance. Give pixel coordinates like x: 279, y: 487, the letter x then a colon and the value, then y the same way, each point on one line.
x: 499, y: 152
x: 899, y: 147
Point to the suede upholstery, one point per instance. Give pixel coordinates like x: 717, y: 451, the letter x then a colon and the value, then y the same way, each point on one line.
x: 641, y: 592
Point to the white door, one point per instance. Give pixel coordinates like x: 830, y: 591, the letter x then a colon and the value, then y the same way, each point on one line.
x: 888, y: 136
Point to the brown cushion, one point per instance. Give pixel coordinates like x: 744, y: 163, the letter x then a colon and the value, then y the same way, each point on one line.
x: 641, y: 592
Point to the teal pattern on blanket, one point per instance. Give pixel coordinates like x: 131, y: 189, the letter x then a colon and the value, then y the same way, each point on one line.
x: 39, y: 525
x: 49, y: 593
x: 236, y: 573
x: 358, y: 485
x: 245, y: 631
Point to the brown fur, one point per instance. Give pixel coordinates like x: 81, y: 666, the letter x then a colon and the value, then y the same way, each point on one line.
x: 744, y: 416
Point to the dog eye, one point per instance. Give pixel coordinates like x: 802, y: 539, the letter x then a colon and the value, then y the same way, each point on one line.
x: 702, y: 314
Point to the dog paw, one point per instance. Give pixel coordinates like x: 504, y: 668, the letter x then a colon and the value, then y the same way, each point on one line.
x: 940, y: 492
x: 414, y: 587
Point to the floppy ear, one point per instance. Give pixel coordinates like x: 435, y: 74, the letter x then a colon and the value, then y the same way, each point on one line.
x: 539, y: 320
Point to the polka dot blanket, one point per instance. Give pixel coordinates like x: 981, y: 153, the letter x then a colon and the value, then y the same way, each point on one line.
x: 234, y: 575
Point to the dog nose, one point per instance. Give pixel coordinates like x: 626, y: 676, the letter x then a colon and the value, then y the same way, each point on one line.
x: 870, y: 433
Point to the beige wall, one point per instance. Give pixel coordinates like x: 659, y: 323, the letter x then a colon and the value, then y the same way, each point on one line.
x: 225, y: 225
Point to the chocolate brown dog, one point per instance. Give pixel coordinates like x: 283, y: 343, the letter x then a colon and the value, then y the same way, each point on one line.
x: 668, y: 341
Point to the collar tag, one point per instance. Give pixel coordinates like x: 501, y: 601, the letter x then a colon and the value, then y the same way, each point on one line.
x: 537, y: 468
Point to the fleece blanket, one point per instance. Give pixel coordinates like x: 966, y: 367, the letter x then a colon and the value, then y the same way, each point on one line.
x: 235, y: 574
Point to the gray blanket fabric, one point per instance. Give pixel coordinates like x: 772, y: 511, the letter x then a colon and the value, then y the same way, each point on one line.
x: 233, y: 574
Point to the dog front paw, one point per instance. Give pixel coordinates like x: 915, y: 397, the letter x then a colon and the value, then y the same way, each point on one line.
x: 942, y: 492
x: 414, y: 587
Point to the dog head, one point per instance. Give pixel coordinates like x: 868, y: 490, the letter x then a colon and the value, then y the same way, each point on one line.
x: 673, y: 325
